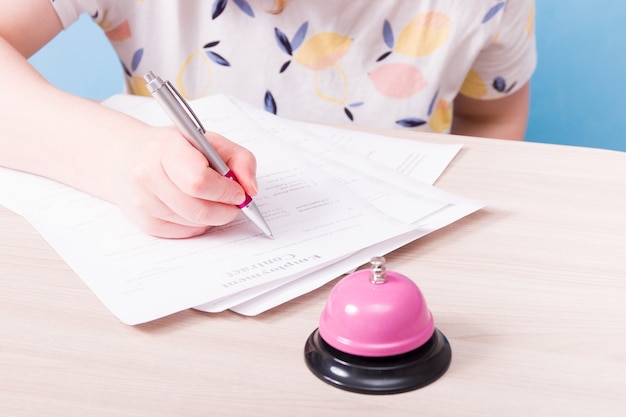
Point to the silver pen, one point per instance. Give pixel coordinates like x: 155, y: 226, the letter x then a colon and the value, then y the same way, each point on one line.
x: 187, y: 122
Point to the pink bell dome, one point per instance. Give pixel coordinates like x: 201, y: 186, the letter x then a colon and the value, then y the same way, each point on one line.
x: 376, y: 313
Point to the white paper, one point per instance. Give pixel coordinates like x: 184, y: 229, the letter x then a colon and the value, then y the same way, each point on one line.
x: 327, y: 218
x: 420, y: 161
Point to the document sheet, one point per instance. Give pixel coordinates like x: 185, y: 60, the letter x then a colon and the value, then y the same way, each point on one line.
x: 333, y: 199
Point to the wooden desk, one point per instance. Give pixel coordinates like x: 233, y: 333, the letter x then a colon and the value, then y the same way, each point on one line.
x: 531, y: 292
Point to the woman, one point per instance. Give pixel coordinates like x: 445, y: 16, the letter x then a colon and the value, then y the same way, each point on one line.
x: 443, y: 66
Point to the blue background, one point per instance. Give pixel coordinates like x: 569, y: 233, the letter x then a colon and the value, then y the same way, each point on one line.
x: 577, y: 90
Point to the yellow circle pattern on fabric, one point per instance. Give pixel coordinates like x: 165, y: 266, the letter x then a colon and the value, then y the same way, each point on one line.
x: 322, y: 50
x: 424, y: 34
x: 137, y: 86
x: 441, y: 119
x: 474, y: 86
x: 197, y: 58
x: 320, y: 86
x: 530, y: 23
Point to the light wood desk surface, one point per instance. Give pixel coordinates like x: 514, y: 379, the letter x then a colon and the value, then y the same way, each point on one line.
x: 530, y: 291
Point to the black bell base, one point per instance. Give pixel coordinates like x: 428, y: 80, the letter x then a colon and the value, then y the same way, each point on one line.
x: 378, y: 375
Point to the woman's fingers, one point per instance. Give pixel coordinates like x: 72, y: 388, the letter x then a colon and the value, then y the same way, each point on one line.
x: 174, y: 193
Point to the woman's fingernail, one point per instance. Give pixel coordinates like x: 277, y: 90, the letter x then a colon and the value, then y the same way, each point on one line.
x: 239, y: 197
x: 255, y: 187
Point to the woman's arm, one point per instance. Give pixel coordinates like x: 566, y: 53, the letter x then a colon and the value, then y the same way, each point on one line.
x: 504, y: 118
x: 159, y: 180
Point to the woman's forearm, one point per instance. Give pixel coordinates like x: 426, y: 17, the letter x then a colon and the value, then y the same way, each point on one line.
x: 159, y: 180
x: 55, y: 134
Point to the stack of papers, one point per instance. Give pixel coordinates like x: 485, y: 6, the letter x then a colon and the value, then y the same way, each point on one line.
x: 333, y: 199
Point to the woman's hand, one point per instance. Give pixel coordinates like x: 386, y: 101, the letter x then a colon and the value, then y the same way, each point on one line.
x: 168, y: 189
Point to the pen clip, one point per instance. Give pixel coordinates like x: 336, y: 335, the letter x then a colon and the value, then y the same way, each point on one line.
x: 185, y: 106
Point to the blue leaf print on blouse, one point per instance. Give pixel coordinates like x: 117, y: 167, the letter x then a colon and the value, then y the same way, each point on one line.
x: 211, y: 44
x: 217, y: 58
x: 493, y: 11
x: 283, y: 41
x: 410, y: 122
x: 432, y: 103
x: 284, y: 66
x: 383, y: 56
x: 245, y: 7
x: 218, y: 8
x: 388, y: 35
x: 126, y: 70
x: 136, y: 59
x: 298, y: 38
x: 270, y: 103
x: 499, y: 84
x: 511, y: 87
x: 388, y: 38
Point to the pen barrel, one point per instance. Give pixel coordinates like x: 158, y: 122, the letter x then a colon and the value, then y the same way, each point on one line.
x: 193, y: 133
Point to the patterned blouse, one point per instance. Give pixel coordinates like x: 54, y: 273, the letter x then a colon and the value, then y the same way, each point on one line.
x: 386, y: 63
